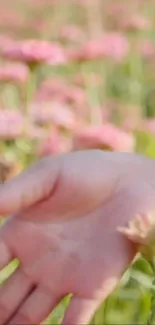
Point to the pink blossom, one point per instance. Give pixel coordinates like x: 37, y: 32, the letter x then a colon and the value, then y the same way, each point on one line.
x: 60, y: 91
x: 104, y: 137
x: 111, y: 45
x: 71, y: 33
x: 148, y: 125
x: 51, y: 89
x: 5, y: 43
x: 51, y: 145
x: 39, y: 25
x: 79, y: 80
x: 146, y: 48
x: 54, y: 113
x: 54, y: 143
x: 75, y: 95
x: 13, y: 72
x: 11, y: 19
x: 11, y: 124
x: 116, y: 9
x: 35, y: 51
x: 58, y: 56
x: 113, y: 12
x: 137, y: 22
x: 36, y: 133
x: 131, y: 123
x: 130, y: 115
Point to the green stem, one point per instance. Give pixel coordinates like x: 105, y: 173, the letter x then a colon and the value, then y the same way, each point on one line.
x: 30, y: 88
x: 151, y: 318
x: 28, y: 92
x: 95, y: 111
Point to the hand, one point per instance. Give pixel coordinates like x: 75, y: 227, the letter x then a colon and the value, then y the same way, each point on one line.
x: 66, y: 211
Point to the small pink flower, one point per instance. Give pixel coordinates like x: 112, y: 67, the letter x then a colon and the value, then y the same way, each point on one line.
x: 39, y: 25
x: 51, y: 89
x: 146, y: 49
x: 131, y: 124
x: 60, y: 91
x: 51, y: 145
x: 10, y: 19
x: 71, y: 33
x: 54, y: 143
x: 11, y: 124
x: 54, y: 113
x: 104, y: 137
x: 75, y: 95
x: 148, y: 125
x: 116, y: 9
x: 35, y: 51
x: 58, y: 56
x: 141, y: 231
x: 130, y: 115
x: 5, y: 43
x: 111, y: 45
x: 137, y: 22
x: 36, y: 133
x: 13, y: 72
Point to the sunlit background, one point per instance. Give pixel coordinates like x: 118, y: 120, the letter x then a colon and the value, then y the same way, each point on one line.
x: 80, y: 74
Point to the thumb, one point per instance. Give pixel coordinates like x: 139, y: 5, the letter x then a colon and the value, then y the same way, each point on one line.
x: 29, y: 187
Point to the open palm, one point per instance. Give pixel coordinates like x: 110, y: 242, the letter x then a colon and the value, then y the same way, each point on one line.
x: 65, y: 234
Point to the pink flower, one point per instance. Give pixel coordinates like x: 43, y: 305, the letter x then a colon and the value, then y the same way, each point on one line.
x: 146, y: 49
x: 37, y: 24
x: 11, y: 124
x: 105, y: 137
x: 75, y: 95
x: 10, y: 19
x: 59, y: 91
x: 111, y: 45
x: 36, y: 133
x: 148, y: 125
x: 34, y: 52
x: 5, y: 43
x: 58, y: 56
x: 13, y: 73
x: 115, y: 9
x: 51, y: 89
x: 141, y: 230
x: 131, y: 123
x: 130, y: 115
x: 137, y: 22
x: 54, y: 143
x: 54, y: 113
x: 71, y: 33
x: 51, y: 145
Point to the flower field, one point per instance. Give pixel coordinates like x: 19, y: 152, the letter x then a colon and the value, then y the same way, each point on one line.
x: 80, y: 74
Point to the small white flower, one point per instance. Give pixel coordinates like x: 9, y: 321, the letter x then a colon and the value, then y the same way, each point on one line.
x: 141, y: 230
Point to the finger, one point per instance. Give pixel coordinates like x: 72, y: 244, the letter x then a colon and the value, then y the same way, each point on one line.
x: 29, y: 187
x: 16, y: 288
x: 5, y: 254
x: 36, y: 308
x: 80, y: 311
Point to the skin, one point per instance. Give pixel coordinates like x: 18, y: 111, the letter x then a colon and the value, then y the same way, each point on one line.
x: 63, y: 218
